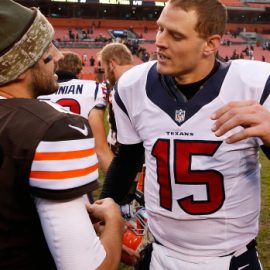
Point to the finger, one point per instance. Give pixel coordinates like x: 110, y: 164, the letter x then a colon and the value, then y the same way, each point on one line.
x: 106, y: 200
x: 226, y: 123
x: 94, y: 220
x: 98, y: 201
x: 89, y: 208
x: 242, y: 135
x: 99, y: 225
x: 88, y: 205
x: 236, y: 117
x: 231, y: 105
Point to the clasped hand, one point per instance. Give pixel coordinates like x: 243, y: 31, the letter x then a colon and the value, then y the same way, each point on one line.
x: 250, y: 115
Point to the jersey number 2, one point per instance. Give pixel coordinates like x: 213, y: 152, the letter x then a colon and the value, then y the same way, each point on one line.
x: 72, y: 104
x: 182, y: 158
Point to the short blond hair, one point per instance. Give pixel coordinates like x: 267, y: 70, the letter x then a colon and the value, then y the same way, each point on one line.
x: 117, y: 52
x: 71, y: 62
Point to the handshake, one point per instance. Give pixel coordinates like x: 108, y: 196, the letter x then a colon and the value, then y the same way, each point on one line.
x: 134, y: 235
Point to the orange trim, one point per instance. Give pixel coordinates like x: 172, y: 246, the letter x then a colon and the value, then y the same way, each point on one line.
x: 64, y: 174
x: 64, y: 155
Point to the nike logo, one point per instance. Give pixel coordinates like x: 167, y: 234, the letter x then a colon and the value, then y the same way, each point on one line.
x: 83, y: 130
x: 243, y: 267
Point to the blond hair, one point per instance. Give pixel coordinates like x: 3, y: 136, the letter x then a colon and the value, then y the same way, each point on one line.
x: 71, y: 62
x: 117, y: 52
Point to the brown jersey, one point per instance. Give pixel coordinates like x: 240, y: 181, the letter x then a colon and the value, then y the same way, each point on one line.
x: 44, y: 152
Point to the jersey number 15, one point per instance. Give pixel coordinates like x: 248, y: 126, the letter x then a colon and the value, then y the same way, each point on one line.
x: 183, y: 174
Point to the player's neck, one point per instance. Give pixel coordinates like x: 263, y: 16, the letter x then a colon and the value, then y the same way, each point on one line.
x: 201, y: 72
x: 121, y: 70
x: 13, y: 91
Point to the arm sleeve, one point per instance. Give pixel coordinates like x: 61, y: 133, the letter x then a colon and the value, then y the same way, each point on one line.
x: 265, y: 101
x: 126, y: 132
x: 122, y: 171
x: 266, y: 151
x: 65, y: 164
x: 70, y: 235
x: 101, y: 99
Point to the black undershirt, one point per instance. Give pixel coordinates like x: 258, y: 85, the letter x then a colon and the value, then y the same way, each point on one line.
x: 184, y: 92
x: 64, y: 75
x: 122, y: 171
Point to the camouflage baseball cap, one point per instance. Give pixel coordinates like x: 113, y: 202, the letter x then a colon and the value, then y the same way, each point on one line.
x: 25, y: 34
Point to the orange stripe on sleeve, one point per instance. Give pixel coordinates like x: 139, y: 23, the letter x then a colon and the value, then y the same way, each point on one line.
x: 64, y: 155
x: 64, y: 174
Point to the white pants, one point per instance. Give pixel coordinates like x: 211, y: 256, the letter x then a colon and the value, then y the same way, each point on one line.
x: 167, y: 259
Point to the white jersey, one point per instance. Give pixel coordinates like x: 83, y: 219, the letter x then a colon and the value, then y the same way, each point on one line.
x: 202, y: 194
x: 101, y: 101
x: 111, y: 137
x: 78, y: 96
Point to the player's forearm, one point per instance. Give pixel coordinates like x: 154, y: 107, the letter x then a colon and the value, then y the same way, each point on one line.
x: 103, y: 151
x: 122, y: 171
x: 111, y: 239
x: 105, y: 156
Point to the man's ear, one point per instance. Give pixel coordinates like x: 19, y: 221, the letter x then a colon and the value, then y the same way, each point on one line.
x: 21, y: 76
x: 212, y: 45
x: 112, y: 64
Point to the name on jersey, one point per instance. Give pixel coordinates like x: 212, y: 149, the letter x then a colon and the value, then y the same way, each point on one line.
x: 70, y: 89
x: 179, y: 133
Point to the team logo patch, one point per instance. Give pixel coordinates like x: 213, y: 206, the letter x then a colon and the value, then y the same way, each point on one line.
x: 180, y: 115
x: 83, y: 130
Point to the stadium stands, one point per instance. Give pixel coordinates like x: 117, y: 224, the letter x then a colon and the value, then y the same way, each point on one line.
x: 259, y: 5
x: 233, y: 43
x: 233, y: 3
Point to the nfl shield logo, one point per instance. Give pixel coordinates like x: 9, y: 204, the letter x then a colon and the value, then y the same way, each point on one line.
x: 180, y: 115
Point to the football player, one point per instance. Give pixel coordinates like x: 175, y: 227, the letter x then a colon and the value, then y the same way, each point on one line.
x: 47, y: 162
x: 77, y: 95
x: 115, y: 59
x: 200, y: 123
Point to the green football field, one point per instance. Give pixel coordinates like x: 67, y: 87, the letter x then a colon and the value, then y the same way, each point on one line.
x: 264, y: 235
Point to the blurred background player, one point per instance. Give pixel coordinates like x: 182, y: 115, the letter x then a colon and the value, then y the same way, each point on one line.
x: 115, y: 59
x: 78, y: 96
x: 200, y: 123
x: 47, y: 161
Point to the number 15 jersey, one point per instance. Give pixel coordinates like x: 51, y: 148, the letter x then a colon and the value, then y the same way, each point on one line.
x: 202, y: 194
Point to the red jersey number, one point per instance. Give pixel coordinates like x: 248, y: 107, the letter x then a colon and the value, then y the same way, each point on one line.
x: 72, y: 104
x: 182, y: 158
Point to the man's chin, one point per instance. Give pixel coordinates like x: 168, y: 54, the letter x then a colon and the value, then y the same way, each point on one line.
x: 161, y: 69
x: 49, y: 91
x: 54, y: 88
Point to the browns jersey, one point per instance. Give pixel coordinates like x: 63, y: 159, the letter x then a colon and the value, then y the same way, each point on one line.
x: 44, y: 152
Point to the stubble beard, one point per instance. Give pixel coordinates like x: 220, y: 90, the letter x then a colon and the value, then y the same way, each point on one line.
x: 43, y: 85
